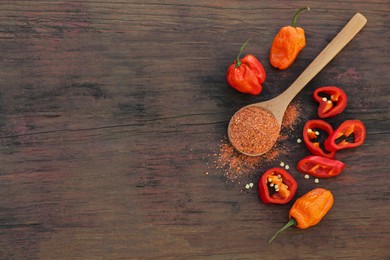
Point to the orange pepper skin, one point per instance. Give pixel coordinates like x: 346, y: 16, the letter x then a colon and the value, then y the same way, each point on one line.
x: 286, y: 46
x: 309, y: 209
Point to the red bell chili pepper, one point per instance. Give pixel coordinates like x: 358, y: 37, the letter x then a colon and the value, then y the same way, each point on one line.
x: 350, y: 134
x: 311, y: 137
x: 276, y: 186
x: 320, y: 167
x: 247, y: 74
x: 332, y: 101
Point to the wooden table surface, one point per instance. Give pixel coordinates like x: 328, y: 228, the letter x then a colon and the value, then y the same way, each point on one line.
x: 112, y: 115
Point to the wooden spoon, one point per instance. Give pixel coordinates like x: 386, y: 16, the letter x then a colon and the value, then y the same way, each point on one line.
x: 278, y: 105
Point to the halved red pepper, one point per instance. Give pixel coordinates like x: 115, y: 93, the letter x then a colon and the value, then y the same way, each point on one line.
x: 276, y: 186
x: 247, y: 74
x: 312, y: 139
x: 332, y: 100
x: 350, y: 134
x: 320, y: 167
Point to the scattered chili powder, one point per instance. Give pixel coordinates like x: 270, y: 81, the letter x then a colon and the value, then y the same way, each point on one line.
x: 253, y: 130
x: 291, y: 115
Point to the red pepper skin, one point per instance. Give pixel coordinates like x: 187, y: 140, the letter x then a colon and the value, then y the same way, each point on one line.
x: 285, y: 194
x: 320, y: 167
x: 346, y: 129
x: 309, y: 135
x: 247, y: 76
x: 333, y: 104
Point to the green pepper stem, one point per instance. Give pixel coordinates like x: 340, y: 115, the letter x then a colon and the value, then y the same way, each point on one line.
x: 238, y: 62
x: 294, y: 21
x: 292, y: 222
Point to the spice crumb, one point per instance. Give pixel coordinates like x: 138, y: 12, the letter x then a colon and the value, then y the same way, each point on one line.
x: 247, y: 186
x: 316, y: 180
x: 282, y: 164
x: 307, y: 176
x: 299, y: 141
x: 251, y: 184
x: 287, y: 167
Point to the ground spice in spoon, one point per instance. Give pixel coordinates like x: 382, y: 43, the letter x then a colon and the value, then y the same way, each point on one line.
x: 237, y: 166
x: 253, y: 130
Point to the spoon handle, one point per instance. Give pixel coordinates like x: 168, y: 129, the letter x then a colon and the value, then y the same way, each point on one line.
x: 349, y: 31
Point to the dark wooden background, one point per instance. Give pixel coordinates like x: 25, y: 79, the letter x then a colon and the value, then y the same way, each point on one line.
x: 111, y: 111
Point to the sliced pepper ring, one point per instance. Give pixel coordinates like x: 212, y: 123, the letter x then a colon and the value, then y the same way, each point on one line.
x: 320, y: 167
x: 276, y: 186
x: 340, y: 138
x: 332, y: 101
x: 311, y: 137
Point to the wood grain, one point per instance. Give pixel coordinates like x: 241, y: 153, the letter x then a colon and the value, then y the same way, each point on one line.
x: 111, y: 113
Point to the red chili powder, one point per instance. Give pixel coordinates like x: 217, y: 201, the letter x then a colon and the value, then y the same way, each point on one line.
x: 236, y: 165
x: 253, y: 130
x: 291, y: 115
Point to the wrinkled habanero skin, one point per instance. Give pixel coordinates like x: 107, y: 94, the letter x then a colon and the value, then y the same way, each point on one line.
x: 309, y: 209
x: 286, y: 46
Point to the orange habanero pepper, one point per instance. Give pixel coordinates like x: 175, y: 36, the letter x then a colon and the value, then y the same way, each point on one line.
x: 309, y: 209
x: 287, y: 44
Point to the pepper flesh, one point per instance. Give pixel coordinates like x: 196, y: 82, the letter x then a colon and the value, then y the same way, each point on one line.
x: 287, y: 44
x: 280, y: 194
x: 348, y: 128
x: 247, y: 74
x: 311, y: 139
x: 332, y: 101
x: 309, y: 209
x: 320, y: 167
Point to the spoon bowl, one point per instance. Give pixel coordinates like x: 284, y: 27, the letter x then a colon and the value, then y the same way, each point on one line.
x: 278, y: 105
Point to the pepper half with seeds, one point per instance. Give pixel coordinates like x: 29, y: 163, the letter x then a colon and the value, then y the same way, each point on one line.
x: 314, y: 139
x: 332, y: 101
x: 276, y: 186
x: 350, y: 134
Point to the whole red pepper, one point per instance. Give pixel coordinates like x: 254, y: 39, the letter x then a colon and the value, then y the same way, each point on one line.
x: 350, y: 134
x: 276, y: 186
x: 312, y: 139
x: 247, y: 74
x: 320, y: 167
x: 332, y: 101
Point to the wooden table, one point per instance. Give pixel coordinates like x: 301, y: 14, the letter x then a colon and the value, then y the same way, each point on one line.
x: 112, y: 115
